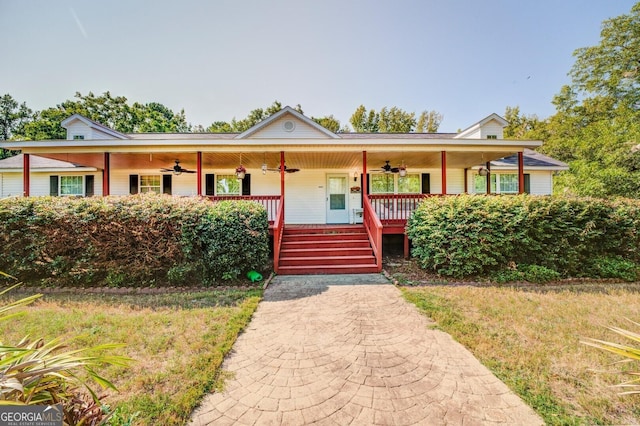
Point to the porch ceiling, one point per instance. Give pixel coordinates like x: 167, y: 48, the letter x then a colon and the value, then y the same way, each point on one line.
x: 294, y: 159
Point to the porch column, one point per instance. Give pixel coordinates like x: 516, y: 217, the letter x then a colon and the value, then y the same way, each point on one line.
x: 26, y: 174
x: 282, y: 179
x: 466, y: 181
x: 520, y: 172
x: 363, y: 184
x: 199, y: 172
x: 443, y: 165
x: 487, y: 165
x: 106, y: 171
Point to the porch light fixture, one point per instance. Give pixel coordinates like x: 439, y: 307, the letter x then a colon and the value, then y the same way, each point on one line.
x: 483, y: 171
x: 355, y: 176
x: 264, y: 168
x: 402, y: 170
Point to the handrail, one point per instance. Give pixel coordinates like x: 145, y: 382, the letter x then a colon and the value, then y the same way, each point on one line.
x: 395, y: 208
x: 374, y: 230
x: 278, y: 231
x: 270, y: 202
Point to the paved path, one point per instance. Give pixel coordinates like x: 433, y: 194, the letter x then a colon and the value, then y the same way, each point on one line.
x: 348, y: 350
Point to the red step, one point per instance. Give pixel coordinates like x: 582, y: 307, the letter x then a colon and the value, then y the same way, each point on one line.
x: 326, y: 250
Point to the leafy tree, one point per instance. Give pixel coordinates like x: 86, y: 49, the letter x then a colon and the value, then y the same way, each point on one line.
x: 114, y: 112
x: 520, y: 125
x: 393, y: 120
x: 329, y: 122
x: 12, y: 117
x: 428, y: 122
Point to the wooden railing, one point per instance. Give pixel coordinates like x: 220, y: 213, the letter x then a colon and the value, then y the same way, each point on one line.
x: 395, y: 208
x: 374, y: 229
x: 270, y: 202
x: 278, y: 231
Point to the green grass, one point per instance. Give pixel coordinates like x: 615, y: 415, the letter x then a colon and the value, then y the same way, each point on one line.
x: 531, y: 341
x: 178, y: 342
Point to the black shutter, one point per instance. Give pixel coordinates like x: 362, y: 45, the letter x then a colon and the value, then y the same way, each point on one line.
x: 209, y: 184
x: 133, y: 184
x: 88, y: 185
x: 527, y: 183
x: 246, y: 184
x: 166, y: 184
x: 426, y: 183
x: 53, y: 185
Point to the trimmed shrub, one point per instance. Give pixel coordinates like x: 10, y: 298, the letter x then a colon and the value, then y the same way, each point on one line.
x: 479, y: 235
x: 130, y: 241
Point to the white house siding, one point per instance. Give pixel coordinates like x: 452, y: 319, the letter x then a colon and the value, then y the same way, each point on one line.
x: 11, y: 184
x: 491, y: 128
x: 305, y: 197
x: 276, y: 130
x: 184, y: 184
x: 541, y: 182
x: 78, y: 128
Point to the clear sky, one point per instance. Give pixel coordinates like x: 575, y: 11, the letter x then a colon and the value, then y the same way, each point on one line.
x: 221, y: 59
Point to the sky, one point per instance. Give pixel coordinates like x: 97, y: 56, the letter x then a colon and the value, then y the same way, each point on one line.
x: 220, y: 59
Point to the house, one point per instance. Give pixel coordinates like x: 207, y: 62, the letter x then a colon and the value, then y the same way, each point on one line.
x: 304, y: 175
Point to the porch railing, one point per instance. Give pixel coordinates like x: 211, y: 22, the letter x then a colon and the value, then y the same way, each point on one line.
x: 278, y: 231
x: 395, y: 208
x: 374, y: 229
x: 270, y: 202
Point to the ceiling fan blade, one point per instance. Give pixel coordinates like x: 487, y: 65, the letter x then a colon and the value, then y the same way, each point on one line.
x: 291, y: 170
x: 395, y: 170
x: 166, y: 170
x: 187, y: 171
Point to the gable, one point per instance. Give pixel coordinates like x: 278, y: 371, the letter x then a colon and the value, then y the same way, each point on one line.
x: 81, y: 127
x: 288, y: 127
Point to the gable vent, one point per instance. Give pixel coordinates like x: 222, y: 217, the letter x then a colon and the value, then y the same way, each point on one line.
x: 288, y: 126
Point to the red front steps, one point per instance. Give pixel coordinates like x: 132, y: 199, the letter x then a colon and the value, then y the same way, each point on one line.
x: 326, y: 250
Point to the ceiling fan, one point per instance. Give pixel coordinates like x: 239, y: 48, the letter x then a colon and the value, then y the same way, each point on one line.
x: 388, y: 169
x: 286, y: 169
x: 177, y: 169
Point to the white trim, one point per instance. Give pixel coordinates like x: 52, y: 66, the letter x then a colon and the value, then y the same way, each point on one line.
x: 93, y: 125
x: 50, y: 170
x: 476, y: 126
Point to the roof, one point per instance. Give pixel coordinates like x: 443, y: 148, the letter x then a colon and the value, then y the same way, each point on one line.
x: 532, y: 160
x: 42, y: 164
x: 94, y: 125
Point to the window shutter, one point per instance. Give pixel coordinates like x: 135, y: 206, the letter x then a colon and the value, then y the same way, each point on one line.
x: 246, y: 184
x: 53, y: 185
x: 361, y: 188
x: 527, y: 183
x: 133, y: 184
x: 88, y: 185
x: 209, y: 184
x: 426, y: 183
x: 166, y: 184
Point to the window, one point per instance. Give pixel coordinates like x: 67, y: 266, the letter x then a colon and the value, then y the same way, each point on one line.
x: 492, y: 136
x: 150, y: 183
x: 227, y: 185
x: 409, y: 184
x: 71, y: 185
x: 500, y: 184
x: 509, y: 184
x: 382, y: 183
x: 78, y: 137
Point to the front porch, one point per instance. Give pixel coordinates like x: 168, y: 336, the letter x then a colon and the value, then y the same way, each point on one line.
x: 326, y: 248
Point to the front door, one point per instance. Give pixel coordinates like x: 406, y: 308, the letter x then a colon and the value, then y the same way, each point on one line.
x: 337, y: 199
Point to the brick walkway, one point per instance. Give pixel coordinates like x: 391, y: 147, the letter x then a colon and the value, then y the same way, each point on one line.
x: 348, y: 350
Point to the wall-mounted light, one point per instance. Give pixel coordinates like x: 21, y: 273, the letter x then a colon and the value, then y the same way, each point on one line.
x: 355, y: 176
x: 264, y: 168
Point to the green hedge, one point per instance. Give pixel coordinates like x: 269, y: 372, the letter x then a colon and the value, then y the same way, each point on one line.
x: 479, y: 235
x: 131, y: 241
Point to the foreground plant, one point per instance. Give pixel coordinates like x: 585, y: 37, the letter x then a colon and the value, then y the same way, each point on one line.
x: 629, y: 352
x: 37, y: 372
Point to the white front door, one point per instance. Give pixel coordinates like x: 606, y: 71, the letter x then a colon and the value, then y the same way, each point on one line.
x: 337, y: 198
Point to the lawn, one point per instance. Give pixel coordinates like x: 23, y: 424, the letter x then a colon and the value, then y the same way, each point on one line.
x: 530, y: 338
x: 177, y: 341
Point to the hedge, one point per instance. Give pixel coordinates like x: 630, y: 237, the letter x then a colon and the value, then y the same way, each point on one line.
x: 479, y: 235
x: 131, y: 241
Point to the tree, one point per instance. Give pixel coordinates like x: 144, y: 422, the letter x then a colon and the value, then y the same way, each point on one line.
x: 13, y: 116
x: 254, y: 117
x: 428, y: 122
x: 113, y: 112
x: 393, y: 120
x: 329, y: 122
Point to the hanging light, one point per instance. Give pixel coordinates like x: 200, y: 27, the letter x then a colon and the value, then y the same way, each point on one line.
x: 402, y: 169
x: 483, y: 171
x: 240, y: 170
